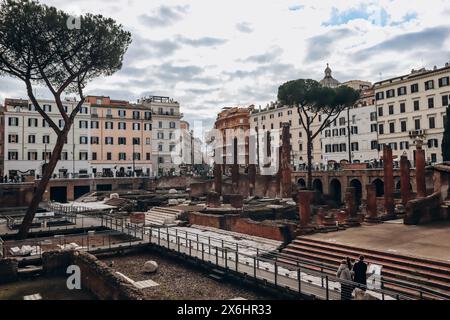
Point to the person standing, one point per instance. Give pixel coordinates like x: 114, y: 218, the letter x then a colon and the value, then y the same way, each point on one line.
x: 345, y: 274
x: 360, y: 272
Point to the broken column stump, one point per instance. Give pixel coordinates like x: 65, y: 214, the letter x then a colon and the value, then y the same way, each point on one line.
x: 404, y: 180
x: 351, y: 208
x: 213, y: 200
x: 305, y: 198
x: 420, y: 173
x: 371, y: 205
x: 236, y: 200
x: 388, y: 182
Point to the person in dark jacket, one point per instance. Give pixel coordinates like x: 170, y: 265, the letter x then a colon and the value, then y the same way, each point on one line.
x: 360, y: 272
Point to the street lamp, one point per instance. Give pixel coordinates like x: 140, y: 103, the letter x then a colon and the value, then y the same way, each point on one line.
x: 134, y: 172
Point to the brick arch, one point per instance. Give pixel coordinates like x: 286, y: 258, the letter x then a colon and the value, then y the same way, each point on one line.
x: 335, y: 190
x: 317, y: 185
x: 356, y: 183
x: 379, y: 186
x: 301, y: 183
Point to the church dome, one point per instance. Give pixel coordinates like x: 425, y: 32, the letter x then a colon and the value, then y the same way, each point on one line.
x: 328, y: 80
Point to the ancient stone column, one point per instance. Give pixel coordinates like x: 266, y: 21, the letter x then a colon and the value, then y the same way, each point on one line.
x: 235, y: 177
x: 404, y: 180
x: 420, y: 172
x: 305, y: 198
x: 218, y: 178
x: 388, y: 180
x: 251, y: 179
x: 371, y: 201
x: 286, y: 183
x: 350, y: 202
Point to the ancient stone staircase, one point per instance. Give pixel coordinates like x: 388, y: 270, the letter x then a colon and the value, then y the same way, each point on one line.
x: 408, y: 275
x: 160, y: 216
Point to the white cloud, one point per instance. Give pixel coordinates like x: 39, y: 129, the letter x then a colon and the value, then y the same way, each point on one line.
x: 211, y: 54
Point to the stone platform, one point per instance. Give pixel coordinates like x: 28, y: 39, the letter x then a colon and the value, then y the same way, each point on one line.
x: 429, y: 241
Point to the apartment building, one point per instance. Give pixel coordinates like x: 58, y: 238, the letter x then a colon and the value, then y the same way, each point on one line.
x: 412, y: 107
x: 29, y: 140
x: 166, y: 133
x: 2, y: 142
x: 191, y: 146
x: 120, y: 137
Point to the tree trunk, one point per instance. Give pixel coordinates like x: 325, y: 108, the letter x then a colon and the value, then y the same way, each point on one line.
x: 42, y: 186
x: 309, y: 156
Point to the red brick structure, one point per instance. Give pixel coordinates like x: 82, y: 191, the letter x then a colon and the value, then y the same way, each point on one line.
x: 350, y: 202
x: 404, y: 180
x: 252, y: 179
x: 388, y: 167
x: 236, y: 200
x: 371, y: 202
x: 305, y: 198
x: 420, y: 172
x: 213, y: 200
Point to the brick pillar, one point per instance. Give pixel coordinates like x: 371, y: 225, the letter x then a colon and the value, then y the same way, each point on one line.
x: 235, y: 177
x: 218, y: 178
x: 304, y: 200
x: 251, y: 179
x: 371, y: 201
x: 404, y: 180
x: 420, y: 172
x: 286, y: 184
x: 213, y: 200
x: 350, y: 202
x: 388, y: 180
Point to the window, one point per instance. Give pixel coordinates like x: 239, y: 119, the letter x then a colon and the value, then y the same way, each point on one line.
x: 430, y: 103
x: 443, y: 82
x: 148, y: 115
x: 392, y: 127
x: 136, y: 115
x: 160, y: 147
x: 342, y: 121
x: 136, y: 141
x: 445, y: 101
x: 122, y: 156
x: 391, y: 109
x: 109, y: 125
x: 160, y: 135
x: 32, y: 122
x: 172, y: 125
x: 109, y: 140
x: 94, y: 125
x: 147, y: 126
x: 390, y: 93
x: 31, y: 107
x: 46, y: 139
x: 94, y: 156
x: 354, y: 130
x: 83, y: 124
x: 136, y: 126
x: 381, y: 129
x: 374, y: 144
x: 379, y: 96
x: 403, y: 125
x: 45, y: 123
x: 95, y: 140
x: 415, y: 88
x: 355, y: 146
x: 13, y: 155
x: 147, y: 156
x: 373, y: 127
x: 122, y: 140
x: 84, y: 110
x: 93, y: 111
x: 160, y: 160
x: 401, y: 91
x: 61, y: 123
x: 32, y: 155
x: 122, y: 125
x: 404, y: 145
x: 433, y: 157
x: 83, y: 140
x: 171, y: 147
x: 64, y: 155
x: 108, y: 156
x: 172, y: 112
x: 83, y: 155
x: 136, y: 156
x: 14, y: 122
x: 416, y: 105
x: 148, y: 140
x: 31, y: 138
x: 160, y: 124
x: 47, y: 108
x: 402, y: 107
x: 122, y: 113
x: 46, y: 155
x: 380, y: 111
x: 417, y: 124
x: 429, y: 85
x: 432, y: 122
x: 373, y: 116
x: 433, y: 143
x: 13, y: 138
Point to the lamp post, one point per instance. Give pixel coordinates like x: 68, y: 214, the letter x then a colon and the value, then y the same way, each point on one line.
x: 134, y: 172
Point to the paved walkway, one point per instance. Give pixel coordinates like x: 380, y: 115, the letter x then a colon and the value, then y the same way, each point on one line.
x: 429, y: 241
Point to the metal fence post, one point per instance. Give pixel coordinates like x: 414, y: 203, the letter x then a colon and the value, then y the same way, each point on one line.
x: 226, y: 258
x: 276, y: 273
x: 203, y: 253
x: 217, y: 257
x: 159, y: 236
x: 190, y: 248
x: 254, y: 267
x: 299, y: 278
x: 327, y: 292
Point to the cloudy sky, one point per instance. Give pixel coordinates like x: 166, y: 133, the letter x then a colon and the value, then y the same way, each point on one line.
x: 208, y: 54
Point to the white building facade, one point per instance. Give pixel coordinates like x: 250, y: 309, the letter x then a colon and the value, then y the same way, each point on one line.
x: 413, y: 106
x: 29, y: 140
